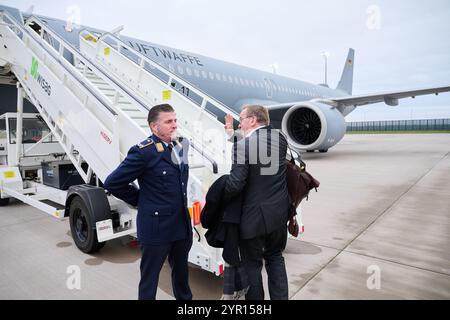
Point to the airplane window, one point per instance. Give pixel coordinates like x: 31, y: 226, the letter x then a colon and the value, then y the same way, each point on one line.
x: 247, y: 83
x: 230, y: 78
x: 236, y: 80
x: 211, y: 75
x: 218, y: 76
x: 180, y: 70
x: 197, y: 73
x: 241, y: 81
x: 171, y: 68
x: 252, y: 83
x: 189, y: 71
x: 204, y: 74
x: 224, y: 78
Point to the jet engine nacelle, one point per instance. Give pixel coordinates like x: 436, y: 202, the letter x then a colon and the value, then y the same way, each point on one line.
x: 313, y: 126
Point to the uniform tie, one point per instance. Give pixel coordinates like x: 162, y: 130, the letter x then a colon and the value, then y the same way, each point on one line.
x: 174, y: 153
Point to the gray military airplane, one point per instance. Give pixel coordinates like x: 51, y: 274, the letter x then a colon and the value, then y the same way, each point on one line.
x: 312, y: 116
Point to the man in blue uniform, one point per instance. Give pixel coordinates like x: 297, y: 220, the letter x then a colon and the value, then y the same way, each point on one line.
x: 163, y: 222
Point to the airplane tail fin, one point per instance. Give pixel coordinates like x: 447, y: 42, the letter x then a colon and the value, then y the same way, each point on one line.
x: 346, y: 82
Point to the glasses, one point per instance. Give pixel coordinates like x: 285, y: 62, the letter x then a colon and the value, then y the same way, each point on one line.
x: 242, y: 119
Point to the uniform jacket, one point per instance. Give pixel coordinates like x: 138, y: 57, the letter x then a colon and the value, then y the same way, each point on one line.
x: 161, y: 198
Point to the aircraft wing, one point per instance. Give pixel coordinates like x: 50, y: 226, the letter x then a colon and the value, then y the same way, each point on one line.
x: 390, y: 98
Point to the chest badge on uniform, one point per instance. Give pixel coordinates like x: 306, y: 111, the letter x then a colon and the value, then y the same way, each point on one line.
x: 159, y: 147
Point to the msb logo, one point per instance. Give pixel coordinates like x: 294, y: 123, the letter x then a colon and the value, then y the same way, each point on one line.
x: 36, y: 76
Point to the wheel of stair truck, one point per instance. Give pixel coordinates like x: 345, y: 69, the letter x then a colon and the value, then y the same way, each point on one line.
x: 85, y: 206
x: 83, y: 231
x: 4, y: 202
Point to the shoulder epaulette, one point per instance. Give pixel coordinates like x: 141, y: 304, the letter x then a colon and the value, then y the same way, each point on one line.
x: 145, y: 143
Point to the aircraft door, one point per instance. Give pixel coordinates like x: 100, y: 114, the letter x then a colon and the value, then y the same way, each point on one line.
x: 269, y: 89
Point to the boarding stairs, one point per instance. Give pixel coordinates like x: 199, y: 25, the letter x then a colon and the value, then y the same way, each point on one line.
x: 96, y: 118
x: 155, y: 84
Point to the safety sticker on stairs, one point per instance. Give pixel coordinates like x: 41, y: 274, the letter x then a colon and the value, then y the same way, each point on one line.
x: 9, y: 174
x: 167, y: 95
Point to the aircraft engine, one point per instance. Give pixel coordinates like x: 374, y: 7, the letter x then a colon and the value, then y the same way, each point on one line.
x: 313, y: 126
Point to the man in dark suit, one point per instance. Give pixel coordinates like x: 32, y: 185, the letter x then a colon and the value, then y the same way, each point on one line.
x: 259, y: 173
x: 164, y: 229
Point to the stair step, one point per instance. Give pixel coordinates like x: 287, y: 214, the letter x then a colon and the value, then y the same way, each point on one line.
x: 141, y: 122
x: 107, y: 89
x: 124, y: 103
x: 127, y: 109
x: 136, y: 114
x: 98, y: 82
x: 112, y: 94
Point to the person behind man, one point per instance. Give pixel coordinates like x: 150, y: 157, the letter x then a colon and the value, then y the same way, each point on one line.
x: 259, y: 173
x: 159, y: 163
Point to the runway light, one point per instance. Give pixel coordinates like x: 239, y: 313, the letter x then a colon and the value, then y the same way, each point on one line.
x: 221, y: 269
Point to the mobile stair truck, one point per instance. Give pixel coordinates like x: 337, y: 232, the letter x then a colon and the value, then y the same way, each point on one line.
x: 93, y: 102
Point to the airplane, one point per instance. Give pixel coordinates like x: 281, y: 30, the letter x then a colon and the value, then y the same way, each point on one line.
x: 312, y: 116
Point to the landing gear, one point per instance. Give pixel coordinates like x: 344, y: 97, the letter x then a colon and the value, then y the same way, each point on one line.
x: 83, y: 231
x: 323, y: 151
x: 310, y: 151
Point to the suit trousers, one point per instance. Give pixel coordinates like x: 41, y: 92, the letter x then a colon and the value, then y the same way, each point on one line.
x: 270, y: 248
x: 153, y: 257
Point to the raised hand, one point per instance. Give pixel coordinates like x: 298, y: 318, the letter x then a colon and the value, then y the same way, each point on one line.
x: 228, y: 122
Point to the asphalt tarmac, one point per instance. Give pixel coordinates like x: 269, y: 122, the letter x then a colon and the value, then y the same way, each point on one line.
x: 378, y: 228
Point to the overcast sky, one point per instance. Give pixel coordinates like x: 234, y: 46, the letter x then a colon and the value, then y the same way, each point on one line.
x: 399, y: 44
